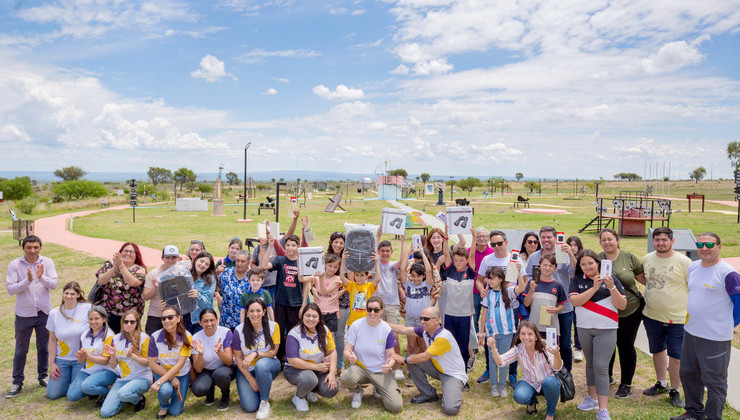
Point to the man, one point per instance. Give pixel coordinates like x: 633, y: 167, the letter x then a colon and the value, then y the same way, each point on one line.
x: 713, y: 311
x: 369, y: 350
x: 441, y: 360
x: 30, y: 278
x: 666, y: 293
x: 548, y: 240
x: 481, y: 250
x: 388, y: 286
x: 170, y: 257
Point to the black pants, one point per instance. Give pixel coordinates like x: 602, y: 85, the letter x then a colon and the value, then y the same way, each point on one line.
x: 626, y: 335
x: 205, y: 382
x: 287, y: 318
x: 153, y: 323
x: 704, y: 363
x: 24, y: 327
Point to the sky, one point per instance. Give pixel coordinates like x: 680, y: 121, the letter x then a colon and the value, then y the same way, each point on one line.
x: 575, y: 89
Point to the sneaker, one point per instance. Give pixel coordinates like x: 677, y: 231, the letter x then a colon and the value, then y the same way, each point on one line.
x: 577, y: 356
x: 140, y: 405
x: 44, y: 382
x: 484, y: 378
x: 612, y: 381
x: 494, y: 391
x: 409, y: 382
x: 655, y: 390
x: 14, y: 390
x: 603, y: 414
x: 420, y: 399
x: 502, y: 392
x: 210, y: 399
x: 588, y: 404
x: 300, y: 404
x: 312, y: 397
x: 264, y: 411
x: 466, y: 387
x: 623, y: 391
x: 223, y: 405
x: 685, y: 416
x: 675, y: 397
x: 357, y: 398
x: 398, y: 373
x: 471, y: 362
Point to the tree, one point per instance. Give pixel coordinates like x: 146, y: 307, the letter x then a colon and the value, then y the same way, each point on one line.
x: 531, y: 186
x: 468, y: 184
x: 75, y: 190
x: 627, y: 176
x: 733, y: 153
x: 519, y: 176
x: 698, y: 174
x: 205, y: 188
x: 182, y: 176
x: 232, y: 178
x: 398, y: 172
x: 425, y: 177
x: 159, y: 175
x: 17, y: 188
x: 70, y: 173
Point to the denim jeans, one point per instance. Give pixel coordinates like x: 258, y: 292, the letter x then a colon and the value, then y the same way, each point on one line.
x: 265, y: 371
x: 59, y: 387
x: 168, y: 399
x: 96, y: 383
x: 124, y: 391
x: 526, y: 394
x: 566, y: 328
x: 497, y: 374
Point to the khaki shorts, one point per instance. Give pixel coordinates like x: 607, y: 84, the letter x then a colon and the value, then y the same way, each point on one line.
x: 392, y: 314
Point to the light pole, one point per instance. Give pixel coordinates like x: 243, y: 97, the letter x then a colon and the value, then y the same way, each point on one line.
x: 249, y: 143
x: 452, y: 185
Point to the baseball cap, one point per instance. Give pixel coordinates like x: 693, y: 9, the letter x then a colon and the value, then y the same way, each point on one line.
x: 170, y: 251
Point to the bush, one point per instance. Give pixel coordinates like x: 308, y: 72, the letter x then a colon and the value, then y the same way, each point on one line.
x: 75, y: 190
x: 205, y: 188
x: 27, y: 205
x: 17, y: 188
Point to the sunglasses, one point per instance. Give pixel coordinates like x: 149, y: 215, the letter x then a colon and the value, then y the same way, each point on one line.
x: 376, y: 310
x: 425, y: 318
x: 129, y: 321
x: 168, y: 317
x: 529, y: 241
x: 495, y: 244
x: 701, y: 245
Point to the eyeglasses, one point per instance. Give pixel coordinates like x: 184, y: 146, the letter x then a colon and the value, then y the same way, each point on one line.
x: 495, y: 244
x: 128, y: 251
x: 709, y: 245
x: 168, y: 317
x: 132, y: 321
x: 376, y: 310
x: 426, y: 318
x: 529, y: 241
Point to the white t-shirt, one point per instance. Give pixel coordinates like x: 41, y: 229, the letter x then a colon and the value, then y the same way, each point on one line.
x: 370, y: 343
x: 128, y: 368
x: 68, y: 331
x: 491, y: 260
x: 709, y: 306
x: 211, y: 361
x: 167, y: 356
x: 94, y: 347
x: 388, y: 284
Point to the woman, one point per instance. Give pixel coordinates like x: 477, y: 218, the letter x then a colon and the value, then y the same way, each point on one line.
x: 628, y: 269
x: 235, y: 245
x: 537, y: 368
x: 530, y: 244
x: 96, y: 376
x: 310, y: 358
x: 596, y: 301
x: 576, y: 246
x: 336, y: 247
x: 204, y: 278
x: 255, y: 345
x: 234, y: 282
x: 169, y: 359
x: 128, y: 352
x: 122, y: 279
x: 213, y: 360
x: 195, y: 248
x: 65, y: 324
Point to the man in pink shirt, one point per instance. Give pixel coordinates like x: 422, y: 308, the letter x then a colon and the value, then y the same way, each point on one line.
x: 30, y: 278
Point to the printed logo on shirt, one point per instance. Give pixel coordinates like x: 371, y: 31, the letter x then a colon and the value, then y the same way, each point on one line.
x: 291, y: 273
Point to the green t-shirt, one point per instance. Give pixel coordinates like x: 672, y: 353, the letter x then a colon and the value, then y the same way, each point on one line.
x: 249, y: 295
x: 626, y: 267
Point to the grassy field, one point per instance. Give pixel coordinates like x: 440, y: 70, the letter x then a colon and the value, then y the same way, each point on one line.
x: 159, y: 225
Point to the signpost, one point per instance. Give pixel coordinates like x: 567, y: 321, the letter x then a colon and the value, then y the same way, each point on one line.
x: 133, y: 197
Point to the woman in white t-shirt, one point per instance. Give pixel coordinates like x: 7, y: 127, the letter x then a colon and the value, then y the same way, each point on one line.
x: 96, y: 376
x: 213, y: 360
x: 65, y: 324
x: 128, y: 355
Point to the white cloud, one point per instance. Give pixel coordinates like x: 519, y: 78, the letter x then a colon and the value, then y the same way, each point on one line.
x: 197, y: 33
x: 211, y: 70
x: 259, y: 55
x: 402, y: 69
x: 341, y: 92
x: 10, y: 133
x: 281, y: 80
x: 672, y: 56
x: 270, y: 91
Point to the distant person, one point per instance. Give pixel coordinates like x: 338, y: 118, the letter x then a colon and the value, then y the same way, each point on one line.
x: 530, y: 244
x: 30, y: 278
x: 170, y: 257
x: 122, y: 278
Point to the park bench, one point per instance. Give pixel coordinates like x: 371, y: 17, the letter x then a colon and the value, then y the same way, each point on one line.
x: 521, y: 201
x: 239, y: 198
x: 462, y: 202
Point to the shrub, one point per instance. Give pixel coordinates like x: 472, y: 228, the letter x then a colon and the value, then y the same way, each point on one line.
x: 27, y: 205
x: 17, y: 188
x: 75, y: 190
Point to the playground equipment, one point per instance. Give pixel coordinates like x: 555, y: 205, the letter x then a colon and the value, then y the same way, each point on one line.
x: 633, y: 210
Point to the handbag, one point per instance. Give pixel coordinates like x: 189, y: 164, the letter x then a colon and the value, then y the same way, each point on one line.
x: 567, y: 387
x: 96, y: 294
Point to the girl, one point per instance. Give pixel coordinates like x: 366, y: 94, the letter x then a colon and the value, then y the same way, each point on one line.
x: 336, y: 246
x: 169, y: 359
x: 255, y: 346
x: 235, y: 245
x: 498, y: 319
x: 95, y: 376
x: 195, y: 248
x: 128, y: 356
x: 327, y: 285
x: 204, y: 277
x: 65, y: 324
x: 547, y: 296
x: 212, y: 360
x: 417, y: 285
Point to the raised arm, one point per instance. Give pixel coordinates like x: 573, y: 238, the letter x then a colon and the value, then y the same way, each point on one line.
x: 427, y: 268
x: 293, y: 223
x: 376, y: 277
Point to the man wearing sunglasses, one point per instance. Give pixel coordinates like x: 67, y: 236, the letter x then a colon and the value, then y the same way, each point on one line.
x: 441, y: 360
x: 713, y: 313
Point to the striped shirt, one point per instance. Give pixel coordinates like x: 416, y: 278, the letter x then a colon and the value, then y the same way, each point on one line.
x: 128, y: 368
x: 599, y: 312
x: 167, y: 356
x: 533, y: 371
x: 500, y: 318
x: 239, y: 342
x: 93, y: 345
x: 299, y: 345
x: 445, y: 352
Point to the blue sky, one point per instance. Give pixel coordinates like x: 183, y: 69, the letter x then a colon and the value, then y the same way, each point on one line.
x: 550, y: 89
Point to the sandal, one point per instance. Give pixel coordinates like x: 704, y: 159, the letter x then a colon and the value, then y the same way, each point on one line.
x: 533, y: 410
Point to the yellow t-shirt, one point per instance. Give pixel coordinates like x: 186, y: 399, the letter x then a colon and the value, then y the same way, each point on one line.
x: 358, y: 296
x: 666, y: 289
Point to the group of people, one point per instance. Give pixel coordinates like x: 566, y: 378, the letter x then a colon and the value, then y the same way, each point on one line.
x: 258, y: 315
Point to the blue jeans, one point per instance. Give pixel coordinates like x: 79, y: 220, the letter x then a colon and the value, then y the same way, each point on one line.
x: 59, y: 387
x: 566, y: 328
x: 525, y: 394
x: 498, y: 374
x: 91, y: 384
x: 265, y: 371
x: 124, y: 391
x: 168, y: 399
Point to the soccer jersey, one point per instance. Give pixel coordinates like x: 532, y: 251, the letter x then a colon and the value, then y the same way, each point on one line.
x: 666, y: 289
x: 358, y: 296
x: 299, y: 345
x: 599, y: 312
x: 128, y: 368
x: 459, y: 287
x: 445, y: 352
x: 93, y: 345
x: 500, y: 318
x: 211, y: 361
x: 370, y: 343
x: 167, y: 356
x: 259, y: 345
x: 68, y: 330
x: 546, y: 293
x: 562, y: 275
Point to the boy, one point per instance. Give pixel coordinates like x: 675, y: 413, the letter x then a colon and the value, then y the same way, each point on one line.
x: 388, y: 286
x: 459, y: 272
x: 256, y: 279
x: 359, y: 290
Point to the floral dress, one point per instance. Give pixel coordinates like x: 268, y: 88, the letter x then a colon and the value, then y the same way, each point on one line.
x: 232, y: 289
x: 118, y: 296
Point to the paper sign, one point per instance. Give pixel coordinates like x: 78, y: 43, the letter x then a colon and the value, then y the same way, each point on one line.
x: 512, y: 273
x: 459, y: 220
x: 560, y: 238
x: 441, y: 216
x: 552, y: 337
x: 308, y: 234
x: 561, y: 257
x: 274, y: 229
x: 514, y: 255
x: 606, y: 268
x: 293, y: 205
x: 416, y: 243
x: 394, y: 221
x: 310, y: 260
x: 545, y: 317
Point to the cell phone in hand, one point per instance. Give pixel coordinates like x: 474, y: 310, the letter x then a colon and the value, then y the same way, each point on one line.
x: 606, y: 268
x: 536, y: 274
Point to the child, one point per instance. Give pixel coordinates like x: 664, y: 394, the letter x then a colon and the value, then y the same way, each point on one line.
x: 459, y: 273
x: 388, y: 287
x: 256, y: 279
x: 546, y: 298
x: 324, y: 288
x: 359, y: 290
x: 417, y: 286
x: 497, y: 317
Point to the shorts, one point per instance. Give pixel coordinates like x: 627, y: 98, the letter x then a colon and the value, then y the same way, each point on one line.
x: 412, y: 321
x: 664, y: 336
x: 392, y: 314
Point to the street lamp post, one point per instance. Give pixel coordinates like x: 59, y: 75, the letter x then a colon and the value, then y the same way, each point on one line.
x: 249, y: 143
x: 452, y: 185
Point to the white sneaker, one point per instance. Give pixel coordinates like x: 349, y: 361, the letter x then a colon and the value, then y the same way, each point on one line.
x: 300, y: 404
x: 578, y: 356
x: 312, y: 397
x: 357, y: 398
x: 502, y: 392
x: 264, y: 411
x: 398, y: 373
x: 494, y: 391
